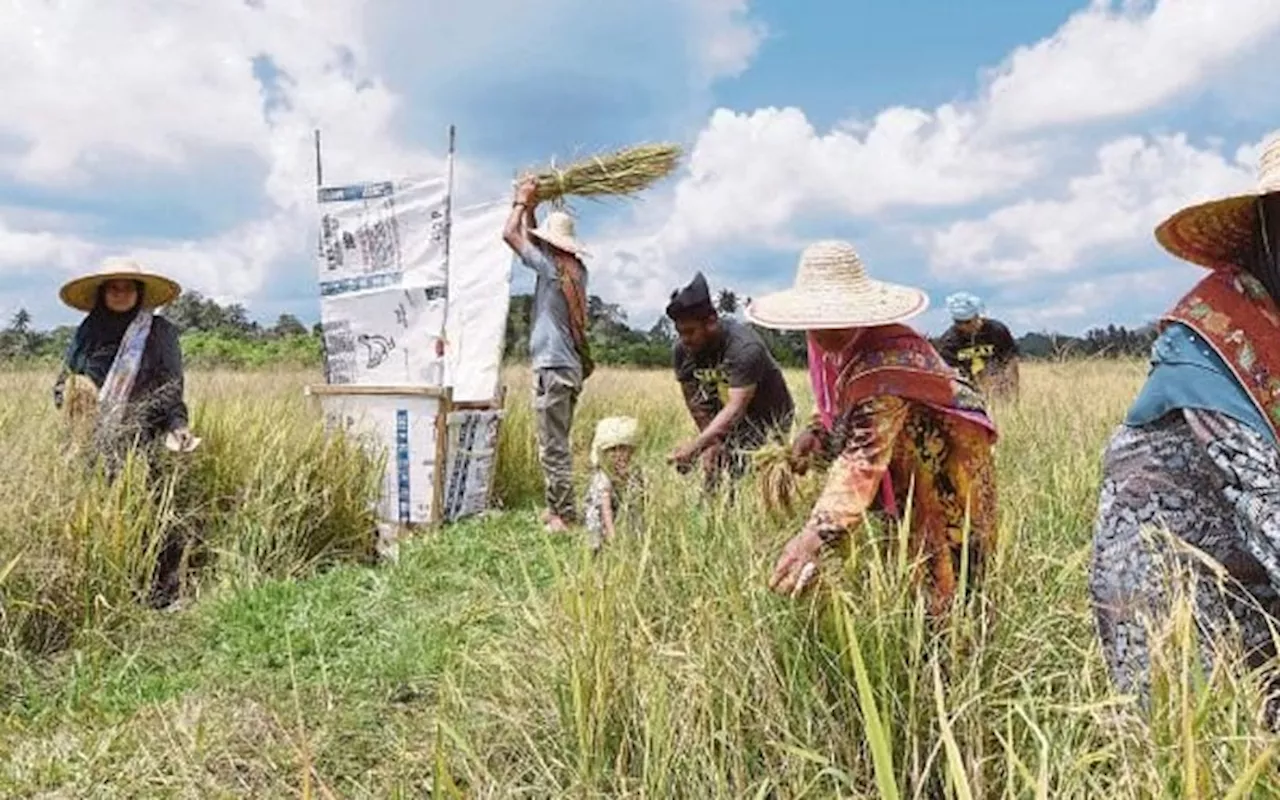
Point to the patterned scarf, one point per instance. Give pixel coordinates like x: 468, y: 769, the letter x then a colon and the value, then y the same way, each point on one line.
x: 573, y: 284
x: 895, y: 360
x: 117, y: 386
x: 1233, y: 311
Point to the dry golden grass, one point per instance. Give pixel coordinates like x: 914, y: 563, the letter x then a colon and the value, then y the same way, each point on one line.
x: 663, y: 668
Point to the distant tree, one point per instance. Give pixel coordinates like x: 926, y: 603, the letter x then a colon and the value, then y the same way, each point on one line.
x: 727, y: 302
x: 663, y: 331
x: 288, y: 325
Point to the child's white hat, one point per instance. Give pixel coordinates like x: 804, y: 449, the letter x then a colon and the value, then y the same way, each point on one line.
x: 613, y: 432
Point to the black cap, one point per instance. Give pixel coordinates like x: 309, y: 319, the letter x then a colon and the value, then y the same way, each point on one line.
x: 692, y: 301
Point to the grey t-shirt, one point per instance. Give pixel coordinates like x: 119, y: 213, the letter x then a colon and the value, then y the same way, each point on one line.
x: 739, y: 358
x: 550, y: 337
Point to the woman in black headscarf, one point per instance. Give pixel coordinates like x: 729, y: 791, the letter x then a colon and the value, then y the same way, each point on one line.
x: 134, y: 360
x: 1194, y: 471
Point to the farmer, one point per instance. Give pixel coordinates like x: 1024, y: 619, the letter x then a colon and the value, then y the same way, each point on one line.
x: 981, y: 348
x: 1194, y: 471
x: 733, y: 388
x: 897, y: 411
x: 561, y: 358
x: 133, y: 358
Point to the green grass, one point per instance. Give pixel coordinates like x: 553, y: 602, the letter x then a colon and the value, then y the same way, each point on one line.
x: 492, y: 660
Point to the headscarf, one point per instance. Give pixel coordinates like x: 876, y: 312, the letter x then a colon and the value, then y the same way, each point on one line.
x: 94, y: 346
x: 1264, y: 263
x: 964, y: 306
x: 824, y: 368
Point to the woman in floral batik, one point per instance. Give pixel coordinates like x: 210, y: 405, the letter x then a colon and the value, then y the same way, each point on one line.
x: 891, y: 414
x: 1190, y: 498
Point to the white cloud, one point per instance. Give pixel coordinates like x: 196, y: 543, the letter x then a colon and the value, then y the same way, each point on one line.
x: 726, y: 37
x: 750, y: 175
x: 1136, y: 183
x: 1145, y: 293
x: 754, y: 178
x: 1115, y: 59
x: 110, y: 90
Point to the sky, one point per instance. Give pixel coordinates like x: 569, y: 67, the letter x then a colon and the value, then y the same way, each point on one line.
x: 1020, y: 150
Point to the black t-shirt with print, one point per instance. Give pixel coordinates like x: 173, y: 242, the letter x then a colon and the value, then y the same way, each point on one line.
x: 738, y: 359
x: 991, y: 345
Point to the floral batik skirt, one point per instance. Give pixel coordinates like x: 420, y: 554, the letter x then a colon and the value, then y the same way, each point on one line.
x: 1191, y: 484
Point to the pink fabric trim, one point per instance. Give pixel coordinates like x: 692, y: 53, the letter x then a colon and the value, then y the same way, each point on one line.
x: 823, y: 373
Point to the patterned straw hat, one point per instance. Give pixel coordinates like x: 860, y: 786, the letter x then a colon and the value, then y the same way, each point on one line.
x: 1220, y: 233
x: 832, y: 290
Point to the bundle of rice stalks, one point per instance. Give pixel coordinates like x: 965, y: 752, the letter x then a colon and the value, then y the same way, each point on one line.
x: 80, y: 400
x: 623, y: 173
x: 80, y: 407
x: 776, y: 478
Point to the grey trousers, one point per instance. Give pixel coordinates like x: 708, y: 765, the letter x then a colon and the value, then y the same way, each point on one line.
x: 555, y: 398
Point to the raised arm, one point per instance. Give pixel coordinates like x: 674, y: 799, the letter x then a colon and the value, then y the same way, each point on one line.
x: 521, y: 219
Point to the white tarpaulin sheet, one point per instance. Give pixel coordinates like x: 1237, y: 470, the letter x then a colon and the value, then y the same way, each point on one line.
x: 382, y: 235
x: 479, y: 297
x: 390, y: 337
x: 403, y: 427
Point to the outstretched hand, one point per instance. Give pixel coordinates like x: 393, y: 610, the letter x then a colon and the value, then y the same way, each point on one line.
x: 797, y: 565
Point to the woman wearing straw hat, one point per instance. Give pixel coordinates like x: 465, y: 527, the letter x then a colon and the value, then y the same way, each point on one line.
x: 133, y: 359
x: 1194, y: 471
x: 897, y: 412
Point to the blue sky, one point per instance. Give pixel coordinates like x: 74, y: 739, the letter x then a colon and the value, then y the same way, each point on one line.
x: 1021, y: 150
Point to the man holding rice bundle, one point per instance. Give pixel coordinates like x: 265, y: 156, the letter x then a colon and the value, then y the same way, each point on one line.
x: 897, y: 413
x: 561, y: 357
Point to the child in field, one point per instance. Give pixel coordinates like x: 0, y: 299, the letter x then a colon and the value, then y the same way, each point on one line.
x: 612, y: 477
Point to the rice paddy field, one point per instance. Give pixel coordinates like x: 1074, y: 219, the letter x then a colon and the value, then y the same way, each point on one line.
x: 493, y: 660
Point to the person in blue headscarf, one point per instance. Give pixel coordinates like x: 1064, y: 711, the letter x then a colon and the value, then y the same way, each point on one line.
x: 134, y: 360
x: 980, y: 348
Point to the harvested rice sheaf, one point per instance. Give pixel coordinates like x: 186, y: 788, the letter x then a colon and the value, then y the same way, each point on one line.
x: 776, y: 478
x: 80, y: 399
x: 623, y: 173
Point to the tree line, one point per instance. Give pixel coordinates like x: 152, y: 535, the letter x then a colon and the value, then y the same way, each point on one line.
x: 215, y: 335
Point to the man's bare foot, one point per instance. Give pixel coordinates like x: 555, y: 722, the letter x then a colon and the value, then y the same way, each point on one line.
x: 555, y: 524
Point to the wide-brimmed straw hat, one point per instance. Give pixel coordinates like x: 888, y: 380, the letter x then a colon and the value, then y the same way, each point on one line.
x: 557, y: 230
x: 157, y: 290
x: 832, y: 291
x: 1219, y: 233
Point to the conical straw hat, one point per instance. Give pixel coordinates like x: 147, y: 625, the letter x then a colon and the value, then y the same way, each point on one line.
x: 557, y: 230
x: 82, y: 293
x: 1219, y: 233
x: 832, y: 290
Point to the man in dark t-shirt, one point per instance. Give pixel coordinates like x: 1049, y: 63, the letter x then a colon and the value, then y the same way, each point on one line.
x: 980, y: 348
x: 733, y: 388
